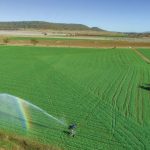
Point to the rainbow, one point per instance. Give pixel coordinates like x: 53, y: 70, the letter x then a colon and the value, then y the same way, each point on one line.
x: 23, y: 113
x: 17, y: 108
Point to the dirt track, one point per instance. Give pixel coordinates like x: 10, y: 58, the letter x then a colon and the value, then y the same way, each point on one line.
x: 141, y: 55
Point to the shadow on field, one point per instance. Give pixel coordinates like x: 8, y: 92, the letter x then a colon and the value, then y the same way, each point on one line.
x: 145, y: 87
x: 66, y: 132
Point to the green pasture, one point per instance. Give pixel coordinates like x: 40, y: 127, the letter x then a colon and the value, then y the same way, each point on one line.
x: 105, y: 91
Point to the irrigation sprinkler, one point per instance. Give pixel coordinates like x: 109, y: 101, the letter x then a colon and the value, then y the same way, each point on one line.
x: 72, y: 128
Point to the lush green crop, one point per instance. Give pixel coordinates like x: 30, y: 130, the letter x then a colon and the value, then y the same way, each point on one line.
x: 105, y: 91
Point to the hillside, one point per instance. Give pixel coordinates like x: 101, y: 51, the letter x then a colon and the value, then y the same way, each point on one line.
x: 44, y: 25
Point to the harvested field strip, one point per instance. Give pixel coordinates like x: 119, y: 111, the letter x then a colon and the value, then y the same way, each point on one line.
x: 53, y: 38
x: 75, y: 42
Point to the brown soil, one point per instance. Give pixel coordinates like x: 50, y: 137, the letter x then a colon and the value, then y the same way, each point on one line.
x: 87, y: 42
x: 80, y: 43
x: 19, y: 143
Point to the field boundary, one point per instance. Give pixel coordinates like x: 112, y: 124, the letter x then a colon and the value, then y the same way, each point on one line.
x: 70, y: 42
x: 147, y: 60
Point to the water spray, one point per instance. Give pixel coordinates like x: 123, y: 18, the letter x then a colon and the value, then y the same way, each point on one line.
x: 15, y: 107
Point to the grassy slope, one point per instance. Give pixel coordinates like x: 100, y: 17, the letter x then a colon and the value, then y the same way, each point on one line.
x: 98, y: 89
x: 14, y: 142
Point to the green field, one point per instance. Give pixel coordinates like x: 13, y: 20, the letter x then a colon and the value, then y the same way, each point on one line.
x: 102, y: 90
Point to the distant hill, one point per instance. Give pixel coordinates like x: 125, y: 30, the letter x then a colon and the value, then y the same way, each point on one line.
x: 44, y: 25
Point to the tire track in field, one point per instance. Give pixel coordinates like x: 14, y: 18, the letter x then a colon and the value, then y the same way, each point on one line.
x: 88, y: 117
x: 95, y: 107
x: 139, y: 100
x: 142, y: 101
x: 119, y: 123
x: 142, y: 108
x: 130, y: 99
x: 64, y: 141
x: 100, y: 88
x: 128, y: 93
x: 99, y: 100
x: 147, y: 60
x: 143, y: 75
x: 137, y: 106
x: 108, y: 89
x: 114, y: 98
x: 107, y: 114
x: 106, y: 117
x: 99, y: 83
x: 136, y: 138
x: 123, y: 60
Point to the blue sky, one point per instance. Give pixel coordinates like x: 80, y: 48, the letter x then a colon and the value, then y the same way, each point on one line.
x: 113, y: 15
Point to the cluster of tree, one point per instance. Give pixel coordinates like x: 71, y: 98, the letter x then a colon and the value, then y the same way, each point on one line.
x: 33, y: 41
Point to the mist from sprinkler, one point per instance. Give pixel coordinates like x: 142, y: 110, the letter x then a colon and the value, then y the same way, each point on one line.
x: 11, y: 105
